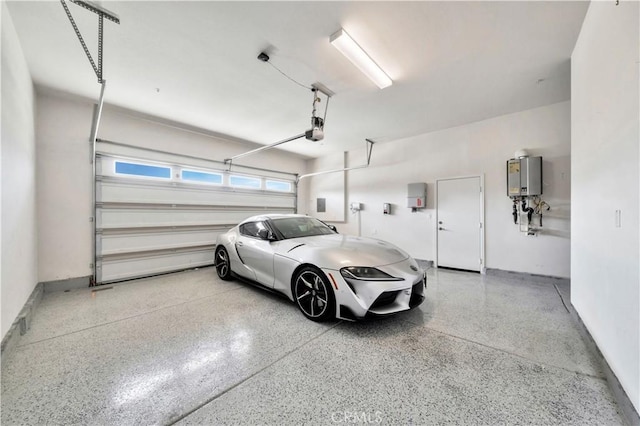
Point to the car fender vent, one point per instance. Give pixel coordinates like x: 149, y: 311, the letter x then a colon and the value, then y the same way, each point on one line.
x: 295, y: 247
x: 239, y: 257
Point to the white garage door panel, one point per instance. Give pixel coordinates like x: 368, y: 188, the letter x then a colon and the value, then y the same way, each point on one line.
x: 159, y: 222
x: 121, y: 269
x: 135, y: 241
x: 121, y: 192
x: 140, y: 217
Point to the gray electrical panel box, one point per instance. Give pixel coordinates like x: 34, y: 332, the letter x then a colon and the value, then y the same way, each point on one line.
x: 524, y: 176
x: 417, y: 195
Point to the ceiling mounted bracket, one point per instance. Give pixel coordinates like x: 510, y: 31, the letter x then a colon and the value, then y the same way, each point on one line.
x: 316, y: 133
x: 102, y: 15
x: 323, y: 89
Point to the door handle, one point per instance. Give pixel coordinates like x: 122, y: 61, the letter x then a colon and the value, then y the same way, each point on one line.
x: 239, y: 243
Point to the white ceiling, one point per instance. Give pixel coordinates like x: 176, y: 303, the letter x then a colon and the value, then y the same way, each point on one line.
x: 452, y: 63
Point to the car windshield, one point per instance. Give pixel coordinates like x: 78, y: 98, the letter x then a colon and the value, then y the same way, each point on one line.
x: 296, y: 227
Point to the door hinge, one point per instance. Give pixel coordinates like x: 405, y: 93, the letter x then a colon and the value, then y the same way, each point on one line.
x: 480, y: 225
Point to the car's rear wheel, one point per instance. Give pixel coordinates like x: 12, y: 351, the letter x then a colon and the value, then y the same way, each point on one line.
x: 223, y: 265
x: 313, y: 294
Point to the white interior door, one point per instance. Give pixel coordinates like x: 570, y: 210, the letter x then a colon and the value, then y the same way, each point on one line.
x: 459, y: 223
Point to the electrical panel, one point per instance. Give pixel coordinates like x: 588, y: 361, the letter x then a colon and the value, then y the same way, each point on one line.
x: 524, y: 176
x: 321, y: 205
x: 417, y: 195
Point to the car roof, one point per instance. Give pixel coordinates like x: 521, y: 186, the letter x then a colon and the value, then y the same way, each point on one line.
x: 270, y: 216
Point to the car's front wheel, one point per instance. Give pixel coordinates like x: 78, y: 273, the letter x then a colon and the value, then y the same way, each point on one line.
x: 313, y: 294
x: 223, y: 265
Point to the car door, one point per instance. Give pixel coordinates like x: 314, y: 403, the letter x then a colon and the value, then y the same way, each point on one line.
x: 256, y: 252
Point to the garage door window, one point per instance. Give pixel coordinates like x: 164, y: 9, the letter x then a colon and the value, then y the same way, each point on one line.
x: 203, y: 177
x: 278, y: 185
x: 245, y: 182
x: 146, y: 170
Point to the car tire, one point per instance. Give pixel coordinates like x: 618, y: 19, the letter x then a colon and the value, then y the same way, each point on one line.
x: 313, y: 294
x: 223, y: 264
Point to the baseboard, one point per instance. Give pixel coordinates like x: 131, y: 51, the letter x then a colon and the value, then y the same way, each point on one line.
x: 22, y: 323
x: 426, y: 264
x: 622, y: 399
x: 547, y: 279
x: 68, y: 284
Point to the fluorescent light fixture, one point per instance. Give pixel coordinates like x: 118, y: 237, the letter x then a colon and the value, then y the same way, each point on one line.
x: 349, y: 48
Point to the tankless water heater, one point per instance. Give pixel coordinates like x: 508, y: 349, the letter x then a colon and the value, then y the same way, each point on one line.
x: 524, y: 176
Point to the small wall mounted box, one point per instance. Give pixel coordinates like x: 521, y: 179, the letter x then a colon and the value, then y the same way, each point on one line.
x: 386, y: 208
x: 417, y: 195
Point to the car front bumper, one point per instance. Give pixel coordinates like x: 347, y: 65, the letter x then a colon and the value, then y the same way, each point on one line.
x: 359, y: 299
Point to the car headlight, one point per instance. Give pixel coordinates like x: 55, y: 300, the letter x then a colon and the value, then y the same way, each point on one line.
x: 366, y: 273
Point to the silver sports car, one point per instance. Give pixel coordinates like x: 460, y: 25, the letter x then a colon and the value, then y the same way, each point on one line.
x: 326, y: 274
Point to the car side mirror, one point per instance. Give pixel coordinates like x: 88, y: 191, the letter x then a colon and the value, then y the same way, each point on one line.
x: 265, y: 234
x: 332, y: 227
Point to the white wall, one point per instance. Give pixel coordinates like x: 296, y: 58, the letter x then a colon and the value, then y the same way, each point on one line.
x: 330, y: 187
x: 18, y: 274
x: 65, y: 172
x: 64, y: 188
x: 605, y: 260
x: 473, y: 149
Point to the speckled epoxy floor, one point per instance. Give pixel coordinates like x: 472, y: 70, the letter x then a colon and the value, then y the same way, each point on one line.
x: 187, y: 348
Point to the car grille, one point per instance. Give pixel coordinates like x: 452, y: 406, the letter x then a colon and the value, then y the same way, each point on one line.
x: 386, y: 298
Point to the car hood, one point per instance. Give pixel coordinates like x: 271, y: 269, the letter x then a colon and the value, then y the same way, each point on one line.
x: 337, y: 251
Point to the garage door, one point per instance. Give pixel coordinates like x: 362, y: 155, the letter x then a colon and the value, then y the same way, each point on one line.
x: 155, y: 216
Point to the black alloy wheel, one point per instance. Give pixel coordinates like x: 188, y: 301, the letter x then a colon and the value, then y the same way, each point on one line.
x: 223, y: 265
x: 313, y: 294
